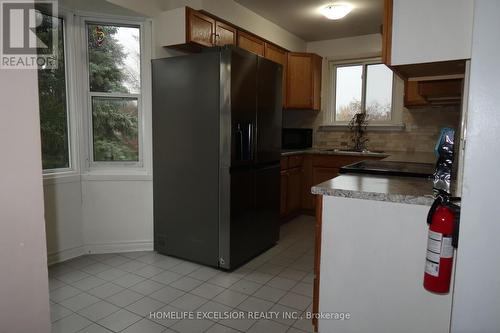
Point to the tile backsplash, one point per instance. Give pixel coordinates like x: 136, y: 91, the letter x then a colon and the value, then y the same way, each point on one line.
x: 422, y: 128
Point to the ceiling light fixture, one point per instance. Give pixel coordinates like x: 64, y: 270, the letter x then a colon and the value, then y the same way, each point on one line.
x: 336, y: 11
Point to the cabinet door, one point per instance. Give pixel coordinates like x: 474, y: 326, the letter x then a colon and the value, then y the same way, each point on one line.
x: 224, y: 34
x: 299, y: 83
x: 307, y: 197
x: 279, y: 55
x: 412, y: 97
x: 284, y: 182
x: 294, y: 190
x: 321, y: 174
x: 200, y: 28
x: 251, y: 43
x: 438, y: 92
x: 317, y: 62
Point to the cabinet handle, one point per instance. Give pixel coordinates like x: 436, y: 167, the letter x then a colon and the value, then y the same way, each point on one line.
x: 213, y: 38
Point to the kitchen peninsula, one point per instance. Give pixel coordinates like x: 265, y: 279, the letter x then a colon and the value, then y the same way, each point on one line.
x: 371, y: 239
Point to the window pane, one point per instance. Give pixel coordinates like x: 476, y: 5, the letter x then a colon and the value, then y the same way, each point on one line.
x: 114, y: 58
x: 378, y: 92
x: 115, y: 128
x: 348, y: 92
x: 52, y: 100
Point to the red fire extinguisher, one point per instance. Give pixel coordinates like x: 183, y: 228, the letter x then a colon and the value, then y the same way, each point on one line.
x: 442, y: 239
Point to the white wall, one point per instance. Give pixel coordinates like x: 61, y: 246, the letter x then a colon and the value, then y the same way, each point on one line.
x: 372, y: 266
x: 365, y: 46
x: 476, y: 303
x: 63, y: 216
x: 430, y: 30
x: 98, y: 214
x: 117, y: 215
x: 24, y: 293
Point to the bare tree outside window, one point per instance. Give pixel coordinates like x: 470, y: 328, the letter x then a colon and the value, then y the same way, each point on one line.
x: 363, y: 88
x: 348, y: 91
x: 378, y: 92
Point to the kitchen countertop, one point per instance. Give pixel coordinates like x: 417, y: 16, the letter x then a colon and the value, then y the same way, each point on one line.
x: 326, y: 151
x: 417, y: 191
x: 393, y: 156
x: 408, y: 190
x: 415, y: 157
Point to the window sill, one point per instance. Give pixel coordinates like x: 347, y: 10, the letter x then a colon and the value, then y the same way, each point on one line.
x: 117, y: 175
x: 70, y: 176
x: 369, y: 128
x: 108, y: 175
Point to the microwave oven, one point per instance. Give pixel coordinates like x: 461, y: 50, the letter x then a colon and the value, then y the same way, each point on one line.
x: 296, y: 138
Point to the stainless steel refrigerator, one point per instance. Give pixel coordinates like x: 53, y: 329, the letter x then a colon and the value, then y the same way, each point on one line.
x: 216, y: 151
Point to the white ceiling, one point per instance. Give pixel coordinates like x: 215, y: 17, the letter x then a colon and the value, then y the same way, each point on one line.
x: 302, y: 17
x: 96, y: 6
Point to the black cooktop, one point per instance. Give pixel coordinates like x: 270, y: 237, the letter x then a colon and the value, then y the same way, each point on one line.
x: 404, y: 169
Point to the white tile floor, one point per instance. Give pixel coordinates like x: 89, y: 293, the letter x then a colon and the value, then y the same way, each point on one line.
x: 117, y: 292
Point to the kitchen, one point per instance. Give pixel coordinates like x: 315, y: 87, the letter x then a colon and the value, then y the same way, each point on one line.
x: 366, y: 93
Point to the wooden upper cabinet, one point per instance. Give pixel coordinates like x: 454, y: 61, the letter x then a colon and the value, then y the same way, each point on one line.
x: 435, y: 92
x: 387, y: 33
x: 278, y: 55
x: 275, y: 53
x: 224, y: 34
x: 200, y: 28
x: 204, y: 30
x: 303, y: 89
x: 251, y: 43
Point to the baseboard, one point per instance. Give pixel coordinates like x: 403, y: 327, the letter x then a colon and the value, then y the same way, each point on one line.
x: 60, y: 256
x: 118, y: 247
x: 63, y: 255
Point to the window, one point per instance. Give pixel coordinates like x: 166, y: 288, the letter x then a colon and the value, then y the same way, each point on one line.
x: 114, y: 69
x: 53, y: 105
x: 362, y: 87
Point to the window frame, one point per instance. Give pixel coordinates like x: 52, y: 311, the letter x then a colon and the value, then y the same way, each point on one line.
x: 119, y: 167
x: 71, y: 119
x: 333, y: 65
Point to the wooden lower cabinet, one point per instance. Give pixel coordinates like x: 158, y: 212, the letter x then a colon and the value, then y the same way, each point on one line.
x: 294, y: 190
x: 291, y: 192
x: 301, y: 172
x: 322, y: 174
x: 284, y: 185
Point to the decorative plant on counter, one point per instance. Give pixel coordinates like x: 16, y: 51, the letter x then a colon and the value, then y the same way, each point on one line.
x: 357, y: 126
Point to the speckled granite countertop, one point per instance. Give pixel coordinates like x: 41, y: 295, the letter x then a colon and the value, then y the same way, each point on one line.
x: 394, y: 156
x: 416, y: 191
x: 326, y: 151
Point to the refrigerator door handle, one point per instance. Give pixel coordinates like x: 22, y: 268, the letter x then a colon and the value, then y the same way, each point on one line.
x: 250, y: 141
x: 244, y: 137
x: 239, y: 142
